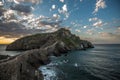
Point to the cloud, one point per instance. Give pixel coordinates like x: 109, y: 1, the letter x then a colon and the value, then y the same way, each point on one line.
x: 2, y: 11
x: 52, y: 24
x: 99, y: 23
x: 53, y: 7
x: 21, y: 8
x: 106, y: 38
x: 108, y: 35
x: 64, y: 8
x: 17, y: 30
x: 1, y: 4
x: 22, y: 1
x: 100, y: 4
x: 64, y: 11
x: 96, y: 22
x: 25, y: 6
x: 16, y: 1
x: 105, y: 34
x: 12, y: 29
x: 84, y: 26
x: 77, y: 30
x: 41, y: 21
x: 28, y: 19
x: 8, y: 15
x: 118, y: 30
x: 81, y: 0
x: 14, y: 25
x: 93, y: 19
x: 90, y: 32
x: 17, y: 20
x: 62, y: 1
x: 56, y: 16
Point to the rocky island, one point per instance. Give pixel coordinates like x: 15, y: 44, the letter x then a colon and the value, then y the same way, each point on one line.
x: 37, y: 49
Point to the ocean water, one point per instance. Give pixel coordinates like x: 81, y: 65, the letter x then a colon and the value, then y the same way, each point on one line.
x: 4, y: 52
x: 99, y: 63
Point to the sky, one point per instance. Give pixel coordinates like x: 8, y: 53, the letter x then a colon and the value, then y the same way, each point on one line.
x: 97, y: 21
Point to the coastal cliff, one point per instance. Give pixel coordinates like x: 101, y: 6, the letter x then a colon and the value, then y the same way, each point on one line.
x: 62, y: 36
x: 37, y: 50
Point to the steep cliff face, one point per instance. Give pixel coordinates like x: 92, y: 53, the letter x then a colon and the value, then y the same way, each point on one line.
x: 63, y: 36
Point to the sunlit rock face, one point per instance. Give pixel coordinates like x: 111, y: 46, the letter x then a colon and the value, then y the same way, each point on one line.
x: 62, y: 37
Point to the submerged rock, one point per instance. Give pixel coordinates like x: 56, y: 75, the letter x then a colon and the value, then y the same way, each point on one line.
x: 4, y: 57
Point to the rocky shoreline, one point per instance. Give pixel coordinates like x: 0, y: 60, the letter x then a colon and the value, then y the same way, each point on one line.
x: 37, y: 50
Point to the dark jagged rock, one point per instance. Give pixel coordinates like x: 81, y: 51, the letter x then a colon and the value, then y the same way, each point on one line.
x: 4, y: 57
x: 64, y: 36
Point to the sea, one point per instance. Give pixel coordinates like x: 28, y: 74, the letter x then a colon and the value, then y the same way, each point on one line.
x: 99, y: 63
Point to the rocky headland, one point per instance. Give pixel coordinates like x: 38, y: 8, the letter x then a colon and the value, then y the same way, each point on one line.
x: 37, y: 49
x: 63, y: 36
